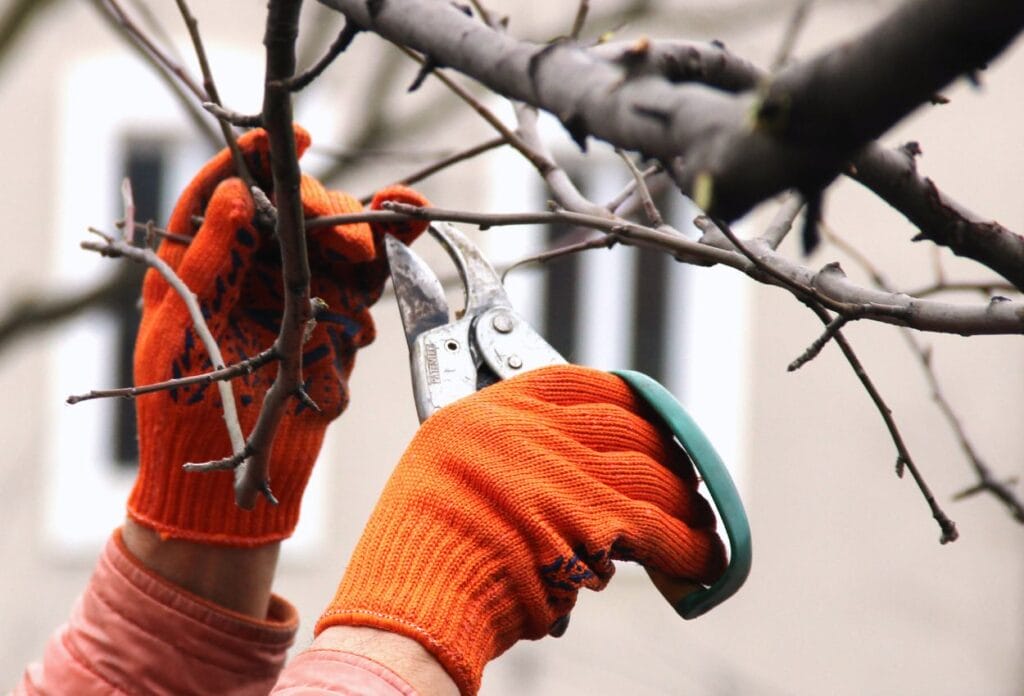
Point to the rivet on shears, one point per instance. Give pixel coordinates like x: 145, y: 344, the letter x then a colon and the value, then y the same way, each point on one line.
x: 515, y: 362
x: 502, y: 323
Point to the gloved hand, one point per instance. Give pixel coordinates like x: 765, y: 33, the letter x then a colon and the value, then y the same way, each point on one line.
x: 510, y: 500
x: 234, y: 270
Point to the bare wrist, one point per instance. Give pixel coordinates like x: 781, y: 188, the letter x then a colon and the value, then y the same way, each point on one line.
x: 403, y: 656
x: 238, y: 579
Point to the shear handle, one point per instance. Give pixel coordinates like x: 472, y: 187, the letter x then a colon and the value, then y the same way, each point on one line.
x: 688, y: 599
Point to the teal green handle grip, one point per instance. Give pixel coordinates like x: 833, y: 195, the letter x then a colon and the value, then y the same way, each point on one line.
x: 720, y: 486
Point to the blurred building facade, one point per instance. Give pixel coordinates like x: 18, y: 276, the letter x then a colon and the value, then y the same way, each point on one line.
x: 850, y: 592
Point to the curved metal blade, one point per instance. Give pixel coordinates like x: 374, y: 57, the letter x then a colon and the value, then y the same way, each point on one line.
x: 481, y: 283
x: 421, y: 301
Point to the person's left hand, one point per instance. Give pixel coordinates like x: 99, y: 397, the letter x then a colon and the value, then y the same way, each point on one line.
x: 234, y: 270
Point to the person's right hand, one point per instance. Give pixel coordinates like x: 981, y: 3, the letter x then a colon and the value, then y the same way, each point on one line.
x: 509, y: 501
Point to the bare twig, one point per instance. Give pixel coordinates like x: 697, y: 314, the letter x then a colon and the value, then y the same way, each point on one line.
x: 150, y: 228
x: 986, y: 481
x: 986, y: 288
x: 812, y: 350
x: 114, y: 9
x: 348, y: 32
x: 120, y: 247
x: 629, y: 189
x: 904, y: 461
x: 605, y: 241
x: 510, y: 136
x: 640, y: 184
x: 238, y: 369
x: 435, y: 167
x: 212, y: 95
x: 829, y: 283
x: 233, y: 117
x: 793, y: 29
x: 581, y: 18
x: 170, y: 73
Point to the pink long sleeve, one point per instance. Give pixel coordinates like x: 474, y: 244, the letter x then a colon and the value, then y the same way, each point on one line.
x: 132, y: 632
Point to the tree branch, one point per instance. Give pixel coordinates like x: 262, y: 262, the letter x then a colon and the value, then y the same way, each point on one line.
x: 238, y: 369
x: 252, y: 473
x: 117, y: 247
x: 833, y: 329
x: 345, y: 36
x: 892, y: 174
x: 999, y: 316
x: 814, y: 117
x: 212, y: 96
x: 169, y: 72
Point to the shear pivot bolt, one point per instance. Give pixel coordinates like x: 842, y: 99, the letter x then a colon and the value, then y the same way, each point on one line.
x: 502, y: 323
x: 515, y: 362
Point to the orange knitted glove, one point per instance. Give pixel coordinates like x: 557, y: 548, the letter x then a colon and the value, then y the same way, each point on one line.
x: 234, y: 270
x: 507, y: 502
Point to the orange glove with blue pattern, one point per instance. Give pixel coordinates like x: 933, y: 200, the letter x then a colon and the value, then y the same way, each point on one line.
x: 234, y: 270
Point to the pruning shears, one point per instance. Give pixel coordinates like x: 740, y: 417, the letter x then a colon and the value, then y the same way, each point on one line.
x: 488, y: 342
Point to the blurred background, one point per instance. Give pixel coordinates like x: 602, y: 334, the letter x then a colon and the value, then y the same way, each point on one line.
x: 850, y: 593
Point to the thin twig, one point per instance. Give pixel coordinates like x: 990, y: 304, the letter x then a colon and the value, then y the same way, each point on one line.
x: 984, y: 287
x: 904, y: 461
x: 120, y: 247
x: 212, y: 95
x: 345, y: 36
x: 233, y: 117
x: 435, y: 167
x: 511, y: 137
x: 177, y: 80
x: 894, y: 308
x: 140, y: 37
x: 629, y: 189
x: 150, y: 228
x: 244, y: 367
x: 986, y: 481
x: 605, y: 241
x: 812, y: 351
x: 650, y: 209
x: 793, y: 28
x: 580, y: 19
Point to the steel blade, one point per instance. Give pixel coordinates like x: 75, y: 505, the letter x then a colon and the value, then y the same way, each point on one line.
x: 481, y: 283
x: 421, y: 301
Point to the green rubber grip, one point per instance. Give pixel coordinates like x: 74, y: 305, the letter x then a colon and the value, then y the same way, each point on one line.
x: 720, y: 486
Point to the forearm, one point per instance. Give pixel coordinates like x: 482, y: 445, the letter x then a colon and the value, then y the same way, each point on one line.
x: 238, y: 579
x: 133, y: 631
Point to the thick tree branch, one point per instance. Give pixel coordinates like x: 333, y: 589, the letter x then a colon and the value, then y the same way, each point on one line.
x: 892, y: 174
x: 814, y: 117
